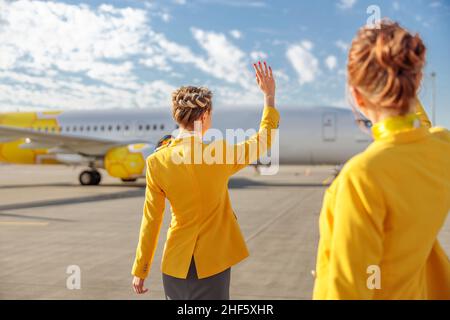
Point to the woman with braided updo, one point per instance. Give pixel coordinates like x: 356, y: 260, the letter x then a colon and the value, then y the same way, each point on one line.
x: 204, y: 239
x: 382, y: 215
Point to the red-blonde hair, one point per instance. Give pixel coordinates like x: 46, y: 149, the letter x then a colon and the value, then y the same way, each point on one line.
x: 385, y: 65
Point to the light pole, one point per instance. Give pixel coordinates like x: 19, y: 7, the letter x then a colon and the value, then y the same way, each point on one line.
x: 433, y: 98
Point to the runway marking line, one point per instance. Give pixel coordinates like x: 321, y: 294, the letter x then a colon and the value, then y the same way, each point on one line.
x: 23, y: 223
x: 328, y: 180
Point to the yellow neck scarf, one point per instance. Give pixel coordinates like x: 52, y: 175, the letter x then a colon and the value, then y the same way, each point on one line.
x: 392, y: 125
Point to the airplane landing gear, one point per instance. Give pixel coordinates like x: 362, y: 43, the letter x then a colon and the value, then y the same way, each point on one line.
x: 90, y: 178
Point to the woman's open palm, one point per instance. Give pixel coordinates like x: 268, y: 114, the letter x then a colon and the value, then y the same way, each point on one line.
x: 264, y: 78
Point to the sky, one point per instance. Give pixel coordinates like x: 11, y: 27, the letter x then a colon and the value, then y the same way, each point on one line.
x: 133, y: 54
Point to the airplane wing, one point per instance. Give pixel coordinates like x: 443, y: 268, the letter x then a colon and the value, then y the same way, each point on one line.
x: 59, y: 141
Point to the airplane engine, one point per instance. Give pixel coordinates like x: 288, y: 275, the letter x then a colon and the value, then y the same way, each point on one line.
x: 128, y: 162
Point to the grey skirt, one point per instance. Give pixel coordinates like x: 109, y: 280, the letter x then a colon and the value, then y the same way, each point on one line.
x: 216, y: 287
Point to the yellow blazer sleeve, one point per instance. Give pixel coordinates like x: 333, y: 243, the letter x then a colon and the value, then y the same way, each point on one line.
x: 420, y: 111
x: 357, y: 237
x: 438, y: 274
x: 153, y: 212
x: 240, y: 155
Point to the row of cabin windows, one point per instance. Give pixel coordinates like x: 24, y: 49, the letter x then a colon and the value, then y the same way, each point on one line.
x: 146, y: 127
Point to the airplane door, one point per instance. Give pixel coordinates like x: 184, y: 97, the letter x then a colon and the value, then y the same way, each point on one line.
x: 329, y: 126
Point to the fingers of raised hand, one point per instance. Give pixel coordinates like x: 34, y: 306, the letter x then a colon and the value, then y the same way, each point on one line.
x: 266, y: 70
x: 263, y: 70
x: 258, y: 71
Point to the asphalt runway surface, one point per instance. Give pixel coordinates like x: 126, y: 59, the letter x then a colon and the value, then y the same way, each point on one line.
x: 48, y: 222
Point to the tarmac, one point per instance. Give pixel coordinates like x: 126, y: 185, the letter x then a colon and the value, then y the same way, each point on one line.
x: 48, y: 222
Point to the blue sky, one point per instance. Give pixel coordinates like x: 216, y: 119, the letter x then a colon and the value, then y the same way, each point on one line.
x: 132, y: 54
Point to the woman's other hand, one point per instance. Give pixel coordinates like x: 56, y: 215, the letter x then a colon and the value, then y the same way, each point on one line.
x: 266, y: 82
x: 138, y: 285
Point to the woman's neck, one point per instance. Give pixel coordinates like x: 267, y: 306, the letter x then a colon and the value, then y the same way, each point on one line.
x: 188, y: 131
x: 376, y: 115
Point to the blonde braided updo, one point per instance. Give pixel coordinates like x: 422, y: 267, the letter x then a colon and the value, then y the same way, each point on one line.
x: 189, y: 104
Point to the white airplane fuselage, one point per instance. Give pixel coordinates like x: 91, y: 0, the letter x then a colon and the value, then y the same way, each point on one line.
x: 309, y: 136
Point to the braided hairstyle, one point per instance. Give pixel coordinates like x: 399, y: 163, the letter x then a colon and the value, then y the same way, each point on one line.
x: 385, y: 64
x: 189, y: 104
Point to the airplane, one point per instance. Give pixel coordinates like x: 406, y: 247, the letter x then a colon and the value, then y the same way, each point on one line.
x: 119, y: 141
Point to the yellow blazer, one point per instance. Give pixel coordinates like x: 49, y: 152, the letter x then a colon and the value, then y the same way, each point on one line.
x: 385, y: 209
x: 203, y: 222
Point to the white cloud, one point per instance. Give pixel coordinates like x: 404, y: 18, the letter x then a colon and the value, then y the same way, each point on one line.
x: 116, y: 75
x: 49, y: 50
x: 156, y: 61
x: 396, y: 5
x: 45, y: 35
x: 44, y: 92
x: 238, y: 3
x: 166, y: 17
x: 258, y: 55
x: 308, y: 45
x: 58, y: 55
x: 236, y: 34
x: 346, y: 4
x: 331, y: 62
x: 152, y: 94
x: 435, y: 4
x: 7, y: 57
x: 224, y: 60
x: 280, y: 74
x: 304, y: 62
x: 180, y: 2
x: 342, y: 45
x: 232, y: 96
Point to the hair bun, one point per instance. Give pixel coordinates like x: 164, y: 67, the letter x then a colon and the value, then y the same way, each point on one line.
x: 386, y: 64
x: 399, y: 51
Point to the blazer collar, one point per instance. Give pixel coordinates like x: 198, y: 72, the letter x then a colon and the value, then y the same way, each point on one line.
x: 399, y: 129
x: 186, y: 137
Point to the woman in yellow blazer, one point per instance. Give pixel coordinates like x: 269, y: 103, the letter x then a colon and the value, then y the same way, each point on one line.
x: 381, y: 216
x: 204, y: 239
